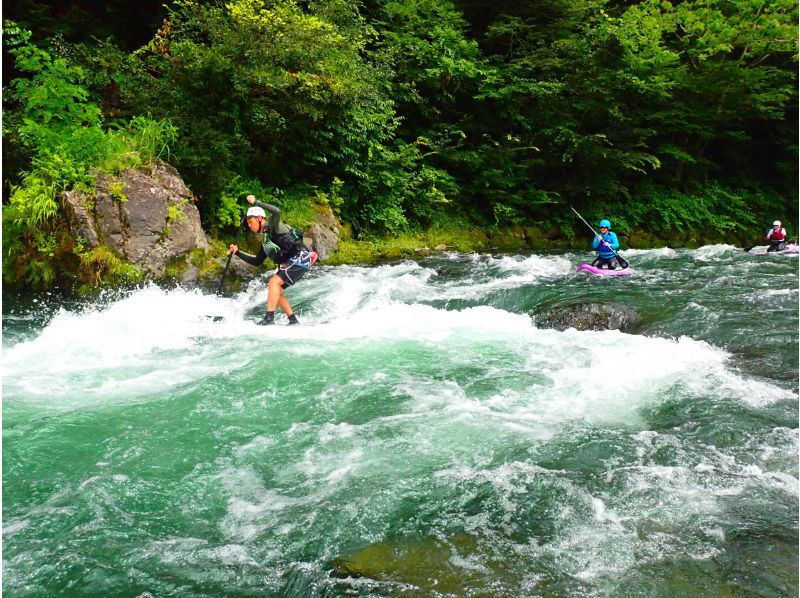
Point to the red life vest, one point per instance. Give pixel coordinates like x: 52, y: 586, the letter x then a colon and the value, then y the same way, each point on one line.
x: 778, y: 235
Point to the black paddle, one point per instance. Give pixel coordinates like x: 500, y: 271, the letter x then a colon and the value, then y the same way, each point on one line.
x: 746, y: 249
x: 225, y: 272
x: 230, y: 256
x: 622, y: 261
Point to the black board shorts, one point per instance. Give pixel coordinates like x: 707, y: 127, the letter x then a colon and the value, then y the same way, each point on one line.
x: 776, y: 246
x: 599, y: 262
x: 295, y: 269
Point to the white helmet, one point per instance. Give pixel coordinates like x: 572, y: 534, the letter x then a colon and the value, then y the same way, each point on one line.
x: 256, y: 211
x: 776, y: 223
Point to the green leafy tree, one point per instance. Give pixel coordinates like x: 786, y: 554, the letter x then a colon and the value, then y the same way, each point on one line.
x: 50, y: 117
x: 595, y: 100
x: 264, y: 90
x: 410, y: 111
x: 735, y: 79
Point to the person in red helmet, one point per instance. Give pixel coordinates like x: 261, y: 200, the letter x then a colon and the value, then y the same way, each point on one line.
x: 284, y: 246
x: 776, y: 237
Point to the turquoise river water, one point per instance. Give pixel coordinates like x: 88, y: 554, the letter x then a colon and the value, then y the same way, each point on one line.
x: 417, y: 435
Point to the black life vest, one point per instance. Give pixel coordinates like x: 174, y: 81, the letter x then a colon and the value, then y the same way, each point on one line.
x: 281, y: 247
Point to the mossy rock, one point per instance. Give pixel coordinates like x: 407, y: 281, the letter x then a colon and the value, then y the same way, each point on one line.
x: 471, y: 240
x: 640, y: 240
x: 555, y: 233
x: 481, y: 240
x: 345, y: 232
x: 506, y: 241
x: 711, y: 237
x: 535, y: 238
x: 428, y: 564
x: 538, y: 243
x: 518, y: 232
x: 731, y: 238
x: 176, y: 268
x: 533, y: 232
x: 677, y: 239
x: 392, y: 253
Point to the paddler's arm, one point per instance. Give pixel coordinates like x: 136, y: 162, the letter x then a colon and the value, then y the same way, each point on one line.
x: 254, y: 260
x: 274, y: 215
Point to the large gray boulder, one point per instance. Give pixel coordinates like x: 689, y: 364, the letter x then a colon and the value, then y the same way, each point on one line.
x: 323, y: 234
x: 147, y: 216
x: 589, y: 316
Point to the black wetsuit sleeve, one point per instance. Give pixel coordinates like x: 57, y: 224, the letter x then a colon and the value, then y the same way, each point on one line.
x: 274, y: 215
x: 255, y: 260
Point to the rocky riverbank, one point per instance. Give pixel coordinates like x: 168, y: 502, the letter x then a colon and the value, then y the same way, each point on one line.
x: 144, y: 224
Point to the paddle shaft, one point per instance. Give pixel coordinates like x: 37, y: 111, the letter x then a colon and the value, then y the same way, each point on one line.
x: 622, y: 261
x: 230, y: 256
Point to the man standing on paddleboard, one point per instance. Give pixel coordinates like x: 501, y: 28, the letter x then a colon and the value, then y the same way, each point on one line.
x: 284, y: 246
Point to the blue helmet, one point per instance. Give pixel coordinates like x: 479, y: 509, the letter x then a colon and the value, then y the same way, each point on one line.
x: 605, y: 223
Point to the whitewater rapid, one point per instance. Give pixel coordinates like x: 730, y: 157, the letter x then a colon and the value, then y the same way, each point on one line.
x: 416, y: 401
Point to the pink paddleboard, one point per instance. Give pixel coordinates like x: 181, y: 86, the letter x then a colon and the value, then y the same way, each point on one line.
x: 762, y: 250
x: 603, y: 271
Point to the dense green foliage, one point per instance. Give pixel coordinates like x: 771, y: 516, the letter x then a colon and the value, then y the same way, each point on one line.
x: 59, y: 129
x: 408, y: 114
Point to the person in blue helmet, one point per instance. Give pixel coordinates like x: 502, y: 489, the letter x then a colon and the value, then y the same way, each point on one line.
x: 606, y: 245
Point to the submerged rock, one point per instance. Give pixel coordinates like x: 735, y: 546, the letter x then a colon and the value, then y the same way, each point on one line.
x: 589, y: 316
x: 450, y: 566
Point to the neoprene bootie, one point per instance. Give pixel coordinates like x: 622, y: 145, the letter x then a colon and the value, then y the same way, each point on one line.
x: 268, y: 320
x: 293, y: 320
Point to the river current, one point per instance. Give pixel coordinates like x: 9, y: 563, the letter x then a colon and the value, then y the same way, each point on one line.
x: 417, y: 434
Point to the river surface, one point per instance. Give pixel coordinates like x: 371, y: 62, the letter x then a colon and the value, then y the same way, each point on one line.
x: 418, y: 434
